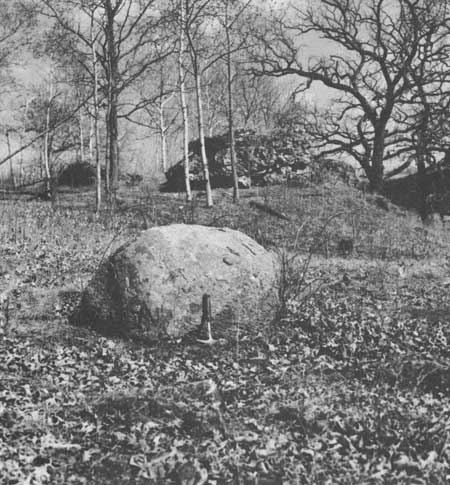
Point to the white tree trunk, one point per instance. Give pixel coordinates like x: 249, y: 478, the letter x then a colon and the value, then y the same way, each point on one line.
x: 162, y: 133
x: 47, y: 155
x: 11, y: 163
x: 91, y: 138
x: 81, y: 137
x: 184, y: 111
x: 21, y: 169
x: 201, y: 132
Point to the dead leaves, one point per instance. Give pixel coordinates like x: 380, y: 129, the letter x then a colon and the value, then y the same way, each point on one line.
x: 352, y: 388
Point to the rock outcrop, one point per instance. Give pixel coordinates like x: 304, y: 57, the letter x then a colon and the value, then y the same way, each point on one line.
x: 154, y: 286
x: 261, y: 160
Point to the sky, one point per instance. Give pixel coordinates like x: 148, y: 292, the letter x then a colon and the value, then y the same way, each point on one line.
x: 312, y: 45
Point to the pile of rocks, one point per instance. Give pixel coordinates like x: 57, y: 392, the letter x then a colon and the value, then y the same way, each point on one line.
x: 261, y: 160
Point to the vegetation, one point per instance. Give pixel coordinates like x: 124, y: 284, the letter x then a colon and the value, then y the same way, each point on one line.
x: 349, y: 386
x: 385, y: 63
x: 115, y: 73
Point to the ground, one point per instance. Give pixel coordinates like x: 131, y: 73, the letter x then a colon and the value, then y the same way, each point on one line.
x: 349, y: 386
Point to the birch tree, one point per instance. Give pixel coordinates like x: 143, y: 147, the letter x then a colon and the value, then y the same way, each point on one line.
x: 228, y: 23
x: 15, y: 19
x: 160, y: 112
x: 94, y: 139
x: 198, y: 17
x: 51, y: 114
x: 47, y: 151
x: 130, y: 33
x: 183, y: 103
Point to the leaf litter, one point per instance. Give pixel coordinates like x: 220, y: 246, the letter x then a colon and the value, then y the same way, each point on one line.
x: 350, y: 386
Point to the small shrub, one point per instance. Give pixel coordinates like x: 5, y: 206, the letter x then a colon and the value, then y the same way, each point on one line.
x: 77, y: 174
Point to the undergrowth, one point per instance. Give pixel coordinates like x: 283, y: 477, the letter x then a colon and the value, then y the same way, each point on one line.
x: 351, y: 385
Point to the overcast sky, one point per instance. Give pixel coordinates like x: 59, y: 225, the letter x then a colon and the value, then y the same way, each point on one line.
x: 312, y: 45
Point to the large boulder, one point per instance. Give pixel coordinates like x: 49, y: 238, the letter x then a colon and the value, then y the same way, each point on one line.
x: 154, y: 286
x: 260, y: 159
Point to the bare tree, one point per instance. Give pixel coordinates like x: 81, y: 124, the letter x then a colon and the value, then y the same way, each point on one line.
x: 160, y: 113
x: 47, y: 151
x: 128, y: 44
x: 198, y: 15
x: 257, y: 100
x: 372, y: 46
x: 425, y: 112
x: 215, y: 99
x: 52, y: 115
x: 94, y: 135
x: 15, y: 18
x: 229, y: 21
x: 11, y: 166
x: 182, y: 88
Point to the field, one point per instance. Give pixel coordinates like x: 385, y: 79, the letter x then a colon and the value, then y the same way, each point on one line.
x: 351, y: 384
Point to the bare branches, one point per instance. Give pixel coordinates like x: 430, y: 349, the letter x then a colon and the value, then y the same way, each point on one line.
x: 50, y: 129
x: 380, y: 53
x: 127, y: 39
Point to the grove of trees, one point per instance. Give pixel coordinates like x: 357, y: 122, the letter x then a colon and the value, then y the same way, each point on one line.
x: 182, y: 69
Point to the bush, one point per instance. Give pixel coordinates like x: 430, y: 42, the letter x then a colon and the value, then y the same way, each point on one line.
x: 77, y: 174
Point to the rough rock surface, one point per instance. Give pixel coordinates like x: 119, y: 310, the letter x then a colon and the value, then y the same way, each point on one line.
x: 154, y: 285
x: 279, y: 157
x: 261, y: 160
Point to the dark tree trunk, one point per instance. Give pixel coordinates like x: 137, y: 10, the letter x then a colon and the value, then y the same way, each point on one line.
x: 95, y: 135
x: 113, y: 146
x: 421, y: 151
x: 112, y: 122
x: 377, y: 166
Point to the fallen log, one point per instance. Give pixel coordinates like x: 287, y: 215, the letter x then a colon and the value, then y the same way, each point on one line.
x: 269, y: 210
x: 8, y: 194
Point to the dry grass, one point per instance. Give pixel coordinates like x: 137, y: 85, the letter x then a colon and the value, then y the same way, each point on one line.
x: 311, y: 405
x: 53, y: 248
